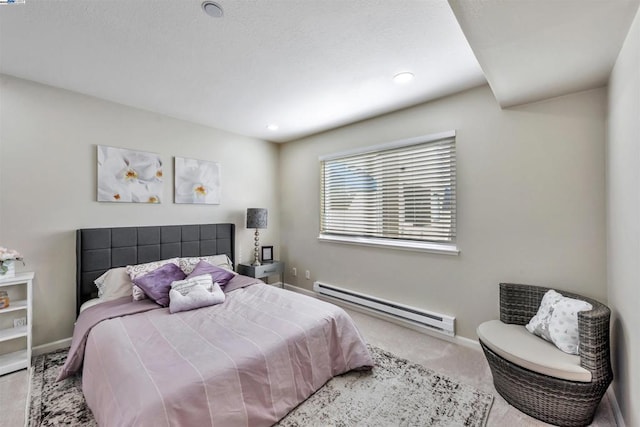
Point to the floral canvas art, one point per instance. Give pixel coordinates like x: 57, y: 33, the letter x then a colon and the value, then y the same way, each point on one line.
x: 197, y: 181
x: 129, y: 176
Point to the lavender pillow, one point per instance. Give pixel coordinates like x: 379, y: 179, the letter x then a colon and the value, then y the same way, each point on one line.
x: 157, y: 284
x: 219, y: 275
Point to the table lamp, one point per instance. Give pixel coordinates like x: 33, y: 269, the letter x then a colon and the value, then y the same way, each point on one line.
x: 256, y: 218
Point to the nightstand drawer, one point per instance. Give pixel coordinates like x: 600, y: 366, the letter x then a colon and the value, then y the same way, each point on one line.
x: 261, y: 271
x: 268, y: 269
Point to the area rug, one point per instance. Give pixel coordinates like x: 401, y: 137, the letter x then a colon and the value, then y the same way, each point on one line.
x: 395, y: 393
x: 56, y: 403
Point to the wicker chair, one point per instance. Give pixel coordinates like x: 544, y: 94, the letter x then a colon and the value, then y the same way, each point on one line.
x: 553, y: 400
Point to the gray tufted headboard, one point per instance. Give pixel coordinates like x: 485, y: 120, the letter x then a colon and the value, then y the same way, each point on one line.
x: 99, y: 249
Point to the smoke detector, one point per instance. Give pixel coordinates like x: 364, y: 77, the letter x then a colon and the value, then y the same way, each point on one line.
x: 212, y: 9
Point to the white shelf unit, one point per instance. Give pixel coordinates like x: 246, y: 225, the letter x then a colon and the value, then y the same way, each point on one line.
x: 21, y: 359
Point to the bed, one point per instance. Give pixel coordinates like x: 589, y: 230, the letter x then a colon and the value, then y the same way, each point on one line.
x: 245, y: 362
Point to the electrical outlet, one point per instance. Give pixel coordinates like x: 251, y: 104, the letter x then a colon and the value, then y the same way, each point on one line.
x: 21, y: 321
x: 307, y: 275
x: 294, y: 272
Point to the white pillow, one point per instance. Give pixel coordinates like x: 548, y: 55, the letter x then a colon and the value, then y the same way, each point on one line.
x: 185, y: 286
x: 564, y: 323
x: 188, y: 264
x: 557, y: 320
x: 90, y: 303
x: 539, y: 324
x: 138, y: 270
x: 115, y: 283
x: 197, y: 297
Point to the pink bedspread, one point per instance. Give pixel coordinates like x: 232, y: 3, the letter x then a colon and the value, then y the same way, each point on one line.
x: 246, y: 362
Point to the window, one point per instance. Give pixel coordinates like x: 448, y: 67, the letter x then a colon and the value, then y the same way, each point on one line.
x: 401, y: 194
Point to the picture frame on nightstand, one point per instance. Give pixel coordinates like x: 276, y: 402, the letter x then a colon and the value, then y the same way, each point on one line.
x: 267, y: 253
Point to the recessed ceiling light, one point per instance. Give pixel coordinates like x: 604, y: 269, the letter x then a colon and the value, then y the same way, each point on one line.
x: 273, y: 127
x: 404, y: 77
x: 212, y: 9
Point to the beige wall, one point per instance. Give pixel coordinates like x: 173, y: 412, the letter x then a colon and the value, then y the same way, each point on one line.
x: 623, y: 219
x: 48, y: 141
x: 531, y: 205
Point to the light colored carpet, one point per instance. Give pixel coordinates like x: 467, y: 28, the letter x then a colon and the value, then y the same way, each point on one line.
x: 396, y: 392
x: 13, y: 393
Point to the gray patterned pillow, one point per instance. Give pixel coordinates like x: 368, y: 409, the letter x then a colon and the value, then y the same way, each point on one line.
x: 539, y: 324
x: 557, y: 320
x: 188, y: 264
x: 563, y: 326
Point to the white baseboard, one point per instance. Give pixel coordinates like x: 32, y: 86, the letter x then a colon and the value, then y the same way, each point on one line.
x: 615, y: 408
x: 52, y: 346
x: 467, y: 342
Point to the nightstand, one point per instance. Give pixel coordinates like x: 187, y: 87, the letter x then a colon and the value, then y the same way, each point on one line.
x: 269, y: 268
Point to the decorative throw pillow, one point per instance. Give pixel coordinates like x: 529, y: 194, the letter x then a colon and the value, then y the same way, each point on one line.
x: 563, y: 326
x: 539, y: 324
x: 184, y: 286
x: 157, y: 284
x: 557, y: 320
x: 138, y: 270
x: 188, y: 264
x: 219, y: 275
x: 197, y: 297
x: 115, y: 283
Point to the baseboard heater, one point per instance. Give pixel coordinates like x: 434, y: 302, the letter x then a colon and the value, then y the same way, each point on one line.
x: 437, y: 322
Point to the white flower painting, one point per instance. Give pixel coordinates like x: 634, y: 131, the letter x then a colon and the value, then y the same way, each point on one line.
x: 197, y: 181
x: 129, y: 176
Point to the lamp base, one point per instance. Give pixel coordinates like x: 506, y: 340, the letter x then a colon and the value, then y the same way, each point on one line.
x: 256, y: 250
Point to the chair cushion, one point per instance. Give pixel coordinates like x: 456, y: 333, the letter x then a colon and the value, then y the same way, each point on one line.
x: 515, y: 344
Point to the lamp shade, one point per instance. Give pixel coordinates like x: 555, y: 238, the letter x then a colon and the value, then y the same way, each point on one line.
x: 256, y: 218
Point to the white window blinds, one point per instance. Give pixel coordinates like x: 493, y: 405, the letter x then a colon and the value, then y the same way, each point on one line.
x: 402, y: 191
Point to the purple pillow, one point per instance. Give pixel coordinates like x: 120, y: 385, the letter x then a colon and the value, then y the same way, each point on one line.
x: 218, y: 274
x: 157, y: 283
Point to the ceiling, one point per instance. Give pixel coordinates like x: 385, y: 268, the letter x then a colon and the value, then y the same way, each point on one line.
x: 309, y: 65
x: 536, y: 49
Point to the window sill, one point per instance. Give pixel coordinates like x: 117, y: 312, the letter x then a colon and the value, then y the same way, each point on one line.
x: 407, y: 245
